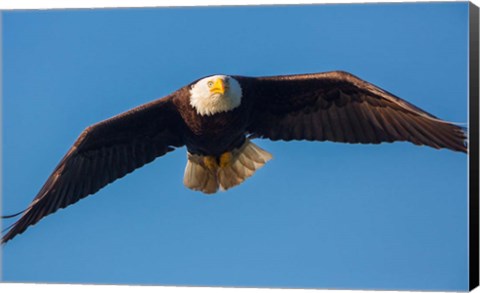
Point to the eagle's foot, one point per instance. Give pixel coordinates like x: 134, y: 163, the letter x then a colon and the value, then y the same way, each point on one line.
x: 226, y: 159
x: 210, y: 162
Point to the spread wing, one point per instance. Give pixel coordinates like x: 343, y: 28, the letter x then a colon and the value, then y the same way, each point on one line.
x: 340, y: 107
x: 103, y: 153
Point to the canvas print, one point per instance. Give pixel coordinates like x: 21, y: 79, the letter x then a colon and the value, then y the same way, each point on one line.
x: 299, y: 146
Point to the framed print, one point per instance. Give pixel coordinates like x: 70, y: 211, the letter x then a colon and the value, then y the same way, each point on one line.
x: 330, y: 146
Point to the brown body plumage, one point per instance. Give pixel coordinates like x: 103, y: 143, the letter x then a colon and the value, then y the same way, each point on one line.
x: 333, y: 106
x: 211, y: 135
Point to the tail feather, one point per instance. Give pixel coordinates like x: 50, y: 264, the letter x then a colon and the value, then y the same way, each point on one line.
x: 228, y: 178
x: 245, y: 161
x: 198, y: 177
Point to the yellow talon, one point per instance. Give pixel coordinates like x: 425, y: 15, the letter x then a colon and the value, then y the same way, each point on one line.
x: 226, y: 159
x: 210, y: 162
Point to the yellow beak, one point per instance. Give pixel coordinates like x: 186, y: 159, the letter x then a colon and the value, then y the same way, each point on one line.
x: 218, y: 87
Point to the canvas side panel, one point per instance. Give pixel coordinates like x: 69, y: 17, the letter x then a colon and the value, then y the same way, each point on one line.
x: 1, y: 135
x: 473, y: 143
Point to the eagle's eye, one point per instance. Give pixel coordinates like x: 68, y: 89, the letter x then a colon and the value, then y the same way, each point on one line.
x: 210, y: 83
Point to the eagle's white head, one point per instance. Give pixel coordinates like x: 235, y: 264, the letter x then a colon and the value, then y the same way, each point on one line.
x: 215, y: 94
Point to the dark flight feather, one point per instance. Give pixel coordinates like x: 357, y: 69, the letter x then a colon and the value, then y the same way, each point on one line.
x: 342, y: 108
x: 103, y: 153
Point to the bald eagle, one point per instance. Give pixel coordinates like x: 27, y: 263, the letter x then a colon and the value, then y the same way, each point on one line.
x: 216, y: 118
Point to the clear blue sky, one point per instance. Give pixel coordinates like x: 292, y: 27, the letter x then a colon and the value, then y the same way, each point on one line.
x: 325, y: 215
